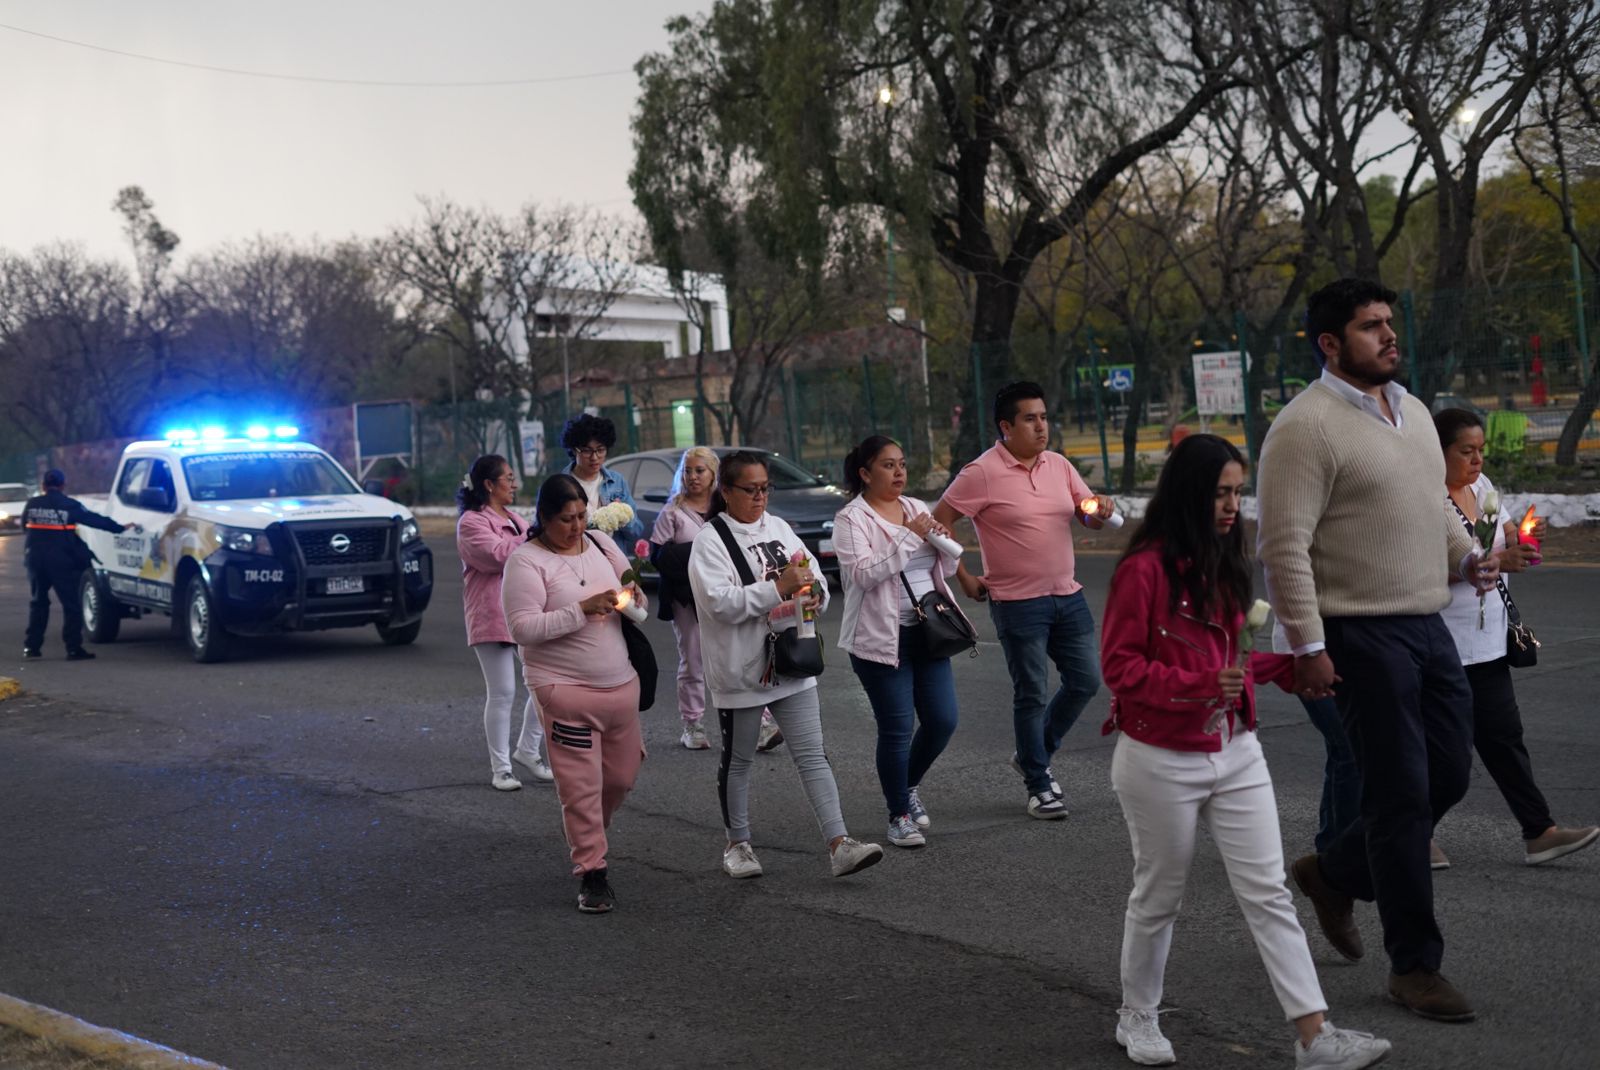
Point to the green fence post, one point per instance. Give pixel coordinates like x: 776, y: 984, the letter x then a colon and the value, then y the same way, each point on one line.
x: 1408, y: 316
x: 1583, y: 328
x: 1099, y: 410
x: 872, y: 404
x: 633, y: 424
x: 977, y: 382
x: 1251, y: 403
x: 789, y: 406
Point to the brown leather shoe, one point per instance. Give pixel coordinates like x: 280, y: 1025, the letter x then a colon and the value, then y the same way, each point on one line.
x: 1335, y: 910
x: 1429, y: 995
x: 1555, y: 842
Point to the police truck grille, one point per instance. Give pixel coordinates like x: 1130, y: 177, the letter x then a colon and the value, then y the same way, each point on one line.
x: 346, y: 544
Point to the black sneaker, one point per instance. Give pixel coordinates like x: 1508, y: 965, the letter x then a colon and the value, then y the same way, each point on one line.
x: 594, y: 894
x: 80, y: 654
x: 31, y: 652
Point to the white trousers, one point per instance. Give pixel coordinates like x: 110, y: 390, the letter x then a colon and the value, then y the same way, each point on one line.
x: 499, y: 664
x: 1165, y: 794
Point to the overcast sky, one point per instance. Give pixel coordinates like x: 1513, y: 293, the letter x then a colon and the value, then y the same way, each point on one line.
x: 226, y: 157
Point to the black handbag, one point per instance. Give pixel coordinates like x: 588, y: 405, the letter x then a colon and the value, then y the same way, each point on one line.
x: 1522, y: 646
x: 788, y: 652
x: 641, y: 655
x: 946, y: 631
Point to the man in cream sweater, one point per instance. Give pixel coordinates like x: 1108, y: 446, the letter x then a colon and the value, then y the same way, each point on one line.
x: 1359, y: 550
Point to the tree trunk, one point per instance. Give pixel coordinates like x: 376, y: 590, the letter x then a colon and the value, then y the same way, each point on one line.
x: 1578, y: 419
x: 988, y: 365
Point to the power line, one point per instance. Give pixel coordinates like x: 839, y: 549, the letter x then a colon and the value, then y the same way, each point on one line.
x: 313, y: 78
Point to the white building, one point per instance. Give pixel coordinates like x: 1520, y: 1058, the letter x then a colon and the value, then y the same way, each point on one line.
x: 646, y: 309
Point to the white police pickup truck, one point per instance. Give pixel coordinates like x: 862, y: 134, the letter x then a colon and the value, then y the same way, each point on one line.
x: 250, y: 536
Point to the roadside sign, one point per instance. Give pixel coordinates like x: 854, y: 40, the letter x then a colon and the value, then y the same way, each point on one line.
x: 1219, y: 383
x: 1121, y: 379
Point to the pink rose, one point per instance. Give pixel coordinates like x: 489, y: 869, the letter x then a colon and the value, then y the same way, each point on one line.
x: 641, y: 548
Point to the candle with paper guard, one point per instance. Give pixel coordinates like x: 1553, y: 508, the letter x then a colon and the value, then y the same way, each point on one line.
x: 1091, y: 507
x: 626, y: 604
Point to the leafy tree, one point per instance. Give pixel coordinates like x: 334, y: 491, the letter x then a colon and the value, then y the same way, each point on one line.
x: 935, y: 113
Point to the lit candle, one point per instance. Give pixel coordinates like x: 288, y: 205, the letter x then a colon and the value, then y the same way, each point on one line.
x: 1091, y: 507
x: 1525, y: 529
x: 626, y: 605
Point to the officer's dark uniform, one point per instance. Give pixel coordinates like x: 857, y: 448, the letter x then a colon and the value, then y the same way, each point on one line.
x: 56, y: 557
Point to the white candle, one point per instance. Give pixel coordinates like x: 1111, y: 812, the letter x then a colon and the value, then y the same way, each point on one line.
x: 1091, y: 507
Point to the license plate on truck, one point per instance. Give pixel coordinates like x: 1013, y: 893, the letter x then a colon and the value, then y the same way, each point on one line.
x: 346, y: 584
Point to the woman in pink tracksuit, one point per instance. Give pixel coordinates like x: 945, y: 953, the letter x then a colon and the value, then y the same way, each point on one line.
x: 487, y: 532
x: 560, y: 599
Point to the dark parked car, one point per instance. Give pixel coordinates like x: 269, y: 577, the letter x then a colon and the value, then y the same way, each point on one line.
x: 806, y: 502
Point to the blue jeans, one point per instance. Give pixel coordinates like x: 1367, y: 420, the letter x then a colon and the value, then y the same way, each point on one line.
x: 1341, y: 777
x: 915, y: 707
x: 1034, y: 632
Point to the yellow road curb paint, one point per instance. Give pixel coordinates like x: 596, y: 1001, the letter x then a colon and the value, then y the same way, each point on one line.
x: 94, y: 1041
x: 9, y: 688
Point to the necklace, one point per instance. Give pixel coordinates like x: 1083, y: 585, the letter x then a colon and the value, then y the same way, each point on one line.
x: 564, y: 562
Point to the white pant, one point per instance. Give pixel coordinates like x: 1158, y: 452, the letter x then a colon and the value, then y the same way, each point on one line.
x: 499, y: 664
x: 1164, y: 795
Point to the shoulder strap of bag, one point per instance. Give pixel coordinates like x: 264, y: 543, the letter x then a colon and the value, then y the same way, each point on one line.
x: 746, y: 576
x: 921, y: 616
x: 1514, y: 617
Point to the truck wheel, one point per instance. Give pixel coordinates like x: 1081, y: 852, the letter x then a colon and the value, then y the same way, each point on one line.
x: 201, y: 626
x: 102, y: 613
x: 405, y: 633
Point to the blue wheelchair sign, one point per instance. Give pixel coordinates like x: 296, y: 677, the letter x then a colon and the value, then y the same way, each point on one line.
x: 1121, y: 380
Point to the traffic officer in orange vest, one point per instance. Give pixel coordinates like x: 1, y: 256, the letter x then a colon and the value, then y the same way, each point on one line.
x: 55, y: 558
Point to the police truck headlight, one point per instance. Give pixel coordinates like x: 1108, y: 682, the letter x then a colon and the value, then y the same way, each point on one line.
x: 409, y: 532
x: 244, y: 542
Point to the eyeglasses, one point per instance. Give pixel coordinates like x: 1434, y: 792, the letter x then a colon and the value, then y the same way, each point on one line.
x: 591, y: 451
x: 508, y: 477
x: 760, y: 491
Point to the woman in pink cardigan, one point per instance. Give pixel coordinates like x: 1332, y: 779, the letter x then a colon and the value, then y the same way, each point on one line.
x: 487, y: 532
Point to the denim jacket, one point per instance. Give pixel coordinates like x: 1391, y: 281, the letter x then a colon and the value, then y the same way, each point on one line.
x: 613, y: 488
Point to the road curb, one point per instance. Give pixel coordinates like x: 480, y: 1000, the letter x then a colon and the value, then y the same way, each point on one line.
x: 9, y: 688
x: 94, y: 1041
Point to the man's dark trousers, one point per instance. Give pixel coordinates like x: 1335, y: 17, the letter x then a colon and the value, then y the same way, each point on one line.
x: 63, y: 579
x: 1407, y: 709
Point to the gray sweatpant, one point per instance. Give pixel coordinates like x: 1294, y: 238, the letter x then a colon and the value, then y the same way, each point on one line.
x: 800, y: 718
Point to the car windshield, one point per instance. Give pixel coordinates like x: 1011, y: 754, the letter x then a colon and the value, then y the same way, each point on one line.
x: 220, y: 477
x: 786, y: 475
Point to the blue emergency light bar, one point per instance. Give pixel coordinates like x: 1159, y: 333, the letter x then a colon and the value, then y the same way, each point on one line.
x: 218, y: 433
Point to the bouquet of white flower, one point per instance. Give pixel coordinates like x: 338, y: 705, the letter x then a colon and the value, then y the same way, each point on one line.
x: 611, y: 518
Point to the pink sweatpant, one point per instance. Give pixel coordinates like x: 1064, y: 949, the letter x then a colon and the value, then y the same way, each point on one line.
x: 691, y: 671
x: 595, y: 749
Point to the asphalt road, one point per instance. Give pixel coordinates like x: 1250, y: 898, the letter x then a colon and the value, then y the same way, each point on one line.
x: 295, y: 860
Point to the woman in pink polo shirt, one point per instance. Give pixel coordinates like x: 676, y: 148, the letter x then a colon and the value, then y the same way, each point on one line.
x: 1181, y: 696
x: 886, y: 562
x: 487, y: 532
x: 560, y: 598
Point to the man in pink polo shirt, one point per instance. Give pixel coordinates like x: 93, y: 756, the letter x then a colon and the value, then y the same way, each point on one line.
x: 1022, y: 499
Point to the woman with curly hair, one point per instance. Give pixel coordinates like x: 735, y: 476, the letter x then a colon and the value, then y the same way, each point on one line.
x: 587, y: 440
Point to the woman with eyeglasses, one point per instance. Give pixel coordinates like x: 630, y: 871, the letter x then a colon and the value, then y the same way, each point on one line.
x: 888, y: 563
x: 588, y: 440
x: 488, y: 531
x: 735, y: 621
x: 560, y: 599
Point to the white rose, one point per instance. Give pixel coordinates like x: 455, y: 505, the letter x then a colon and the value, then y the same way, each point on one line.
x: 1258, y: 614
x: 1491, y: 503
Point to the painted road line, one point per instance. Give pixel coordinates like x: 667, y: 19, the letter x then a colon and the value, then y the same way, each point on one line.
x: 94, y: 1041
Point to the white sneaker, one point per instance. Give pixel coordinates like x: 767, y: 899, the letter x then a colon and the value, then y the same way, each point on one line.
x: 903, y: 832
x: 1140, y: 1033
x: 694, y: 737
x: 919, y: 813
x: 1047, y: 806
x: 852, y: 856
x: 739, y: 861
x: 1340, y: 1049
x: 535, y: 765
x: 506, y: 781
